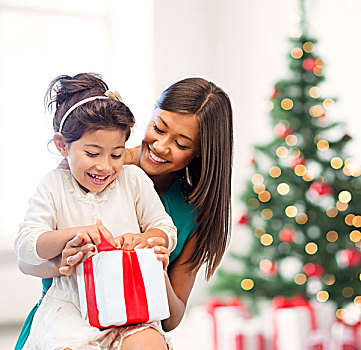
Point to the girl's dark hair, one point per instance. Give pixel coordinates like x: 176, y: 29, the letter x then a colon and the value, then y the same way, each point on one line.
x: 211, y: 172
x: 65, y: 91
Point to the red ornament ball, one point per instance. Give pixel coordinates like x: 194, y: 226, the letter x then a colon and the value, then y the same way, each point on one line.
x: 243, y: 220
x: 308, y: 64
x: 287, y: 235
x: 281, y: 130
x: 298, y: 161
x: 313, y: 270
x: 319, y: 189
x: 275, y: 93
x: 349, y: 257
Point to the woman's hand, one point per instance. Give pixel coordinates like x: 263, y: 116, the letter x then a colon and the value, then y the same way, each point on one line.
x: 162, y: 255
x: 132, y: 156
x: 73, y: 253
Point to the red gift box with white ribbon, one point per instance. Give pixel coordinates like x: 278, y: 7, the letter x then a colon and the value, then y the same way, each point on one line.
x: 119, y: 287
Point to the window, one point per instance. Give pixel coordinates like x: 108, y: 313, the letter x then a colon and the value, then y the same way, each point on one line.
x: 40, y: 40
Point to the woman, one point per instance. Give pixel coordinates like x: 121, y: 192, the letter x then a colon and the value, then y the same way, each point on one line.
x: 187, y: 152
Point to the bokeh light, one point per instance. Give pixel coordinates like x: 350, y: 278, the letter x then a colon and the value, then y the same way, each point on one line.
x: 336, y: 162
x: 247, y: 284
x: 287, y: 104
x: 282, y: 152
x: 311, y: 248
x: 275, y: 171
x: 332, y: 236
x: 266, y: 239
x: 291, y: 211
x: 322, y: 296
x: 283, y: 189
x: 344, y: 196
x: 300, y: 279
x: 296, y: 52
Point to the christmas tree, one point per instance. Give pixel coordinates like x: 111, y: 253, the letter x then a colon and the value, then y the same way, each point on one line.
x: 304, y: 198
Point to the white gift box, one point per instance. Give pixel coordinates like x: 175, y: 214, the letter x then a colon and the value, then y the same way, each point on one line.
x: 119, y: 287
x: 302, y: 325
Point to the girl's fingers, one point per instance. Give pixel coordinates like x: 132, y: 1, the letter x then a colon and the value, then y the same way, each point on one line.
x: 106, y: 233
x: 141, y: 245
x: 127, y: 242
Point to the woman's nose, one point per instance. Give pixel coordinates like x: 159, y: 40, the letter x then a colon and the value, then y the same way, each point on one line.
x: 161, y: 146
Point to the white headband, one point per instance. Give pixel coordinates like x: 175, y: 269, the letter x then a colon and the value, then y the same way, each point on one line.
x: 81, y: 102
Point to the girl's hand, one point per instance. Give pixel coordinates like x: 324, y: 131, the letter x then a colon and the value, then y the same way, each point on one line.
x: 129, y: 241
x: 73, y: 253
x: 91, y: 235
x: 162, y: 255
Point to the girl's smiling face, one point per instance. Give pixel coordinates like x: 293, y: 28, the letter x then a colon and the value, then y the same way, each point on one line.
x: 171, y: 141
x: 96, y: 159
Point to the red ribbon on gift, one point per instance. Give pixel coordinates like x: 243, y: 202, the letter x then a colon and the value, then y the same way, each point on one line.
x: 134, y: 290
x: 281, y: 302
x: 212, y: 305
x: 260, y: 340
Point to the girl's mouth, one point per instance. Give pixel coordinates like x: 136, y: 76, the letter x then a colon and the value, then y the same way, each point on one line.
x: 98, y: 179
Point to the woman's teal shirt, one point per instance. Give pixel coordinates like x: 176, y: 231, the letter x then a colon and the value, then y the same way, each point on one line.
x: 184, y: 218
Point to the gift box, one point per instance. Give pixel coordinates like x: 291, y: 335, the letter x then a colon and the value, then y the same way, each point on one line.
x: 226, y: 318
x: 252, y: 337
x: 119, y: 287
x: 234, y: 328
x: 298, y: 327
x: 345, y: 336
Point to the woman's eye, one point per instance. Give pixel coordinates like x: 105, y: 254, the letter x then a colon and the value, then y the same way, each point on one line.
x: 181, y: 146
x: 116, y: 156
x: 157, y: 129
x: 89, y: 154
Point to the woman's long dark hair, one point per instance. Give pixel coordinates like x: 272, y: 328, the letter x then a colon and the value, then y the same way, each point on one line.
x: 211, y: 172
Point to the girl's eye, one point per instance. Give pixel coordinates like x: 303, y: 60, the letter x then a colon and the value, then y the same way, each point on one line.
x: 89, y: 154
x: 181, y: 146
x: 157, y: 129
x: 116, y: 156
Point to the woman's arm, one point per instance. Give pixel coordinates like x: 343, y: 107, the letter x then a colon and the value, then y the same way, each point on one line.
x: 179, y: 282
x: 47, y: 269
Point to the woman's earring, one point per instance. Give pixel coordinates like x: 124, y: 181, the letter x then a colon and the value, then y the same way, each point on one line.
x: 188, y: 177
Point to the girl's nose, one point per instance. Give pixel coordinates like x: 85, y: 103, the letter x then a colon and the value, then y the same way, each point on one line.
x: 103, y: 165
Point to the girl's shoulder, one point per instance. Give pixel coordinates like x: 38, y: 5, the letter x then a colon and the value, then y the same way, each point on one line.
x: 55, y: 177
x: 133, y: 173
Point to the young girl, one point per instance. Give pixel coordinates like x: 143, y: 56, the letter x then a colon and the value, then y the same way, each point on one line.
x: 90, y: 131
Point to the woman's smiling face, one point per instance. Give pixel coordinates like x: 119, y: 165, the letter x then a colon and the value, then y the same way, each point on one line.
x: 171, y: 141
